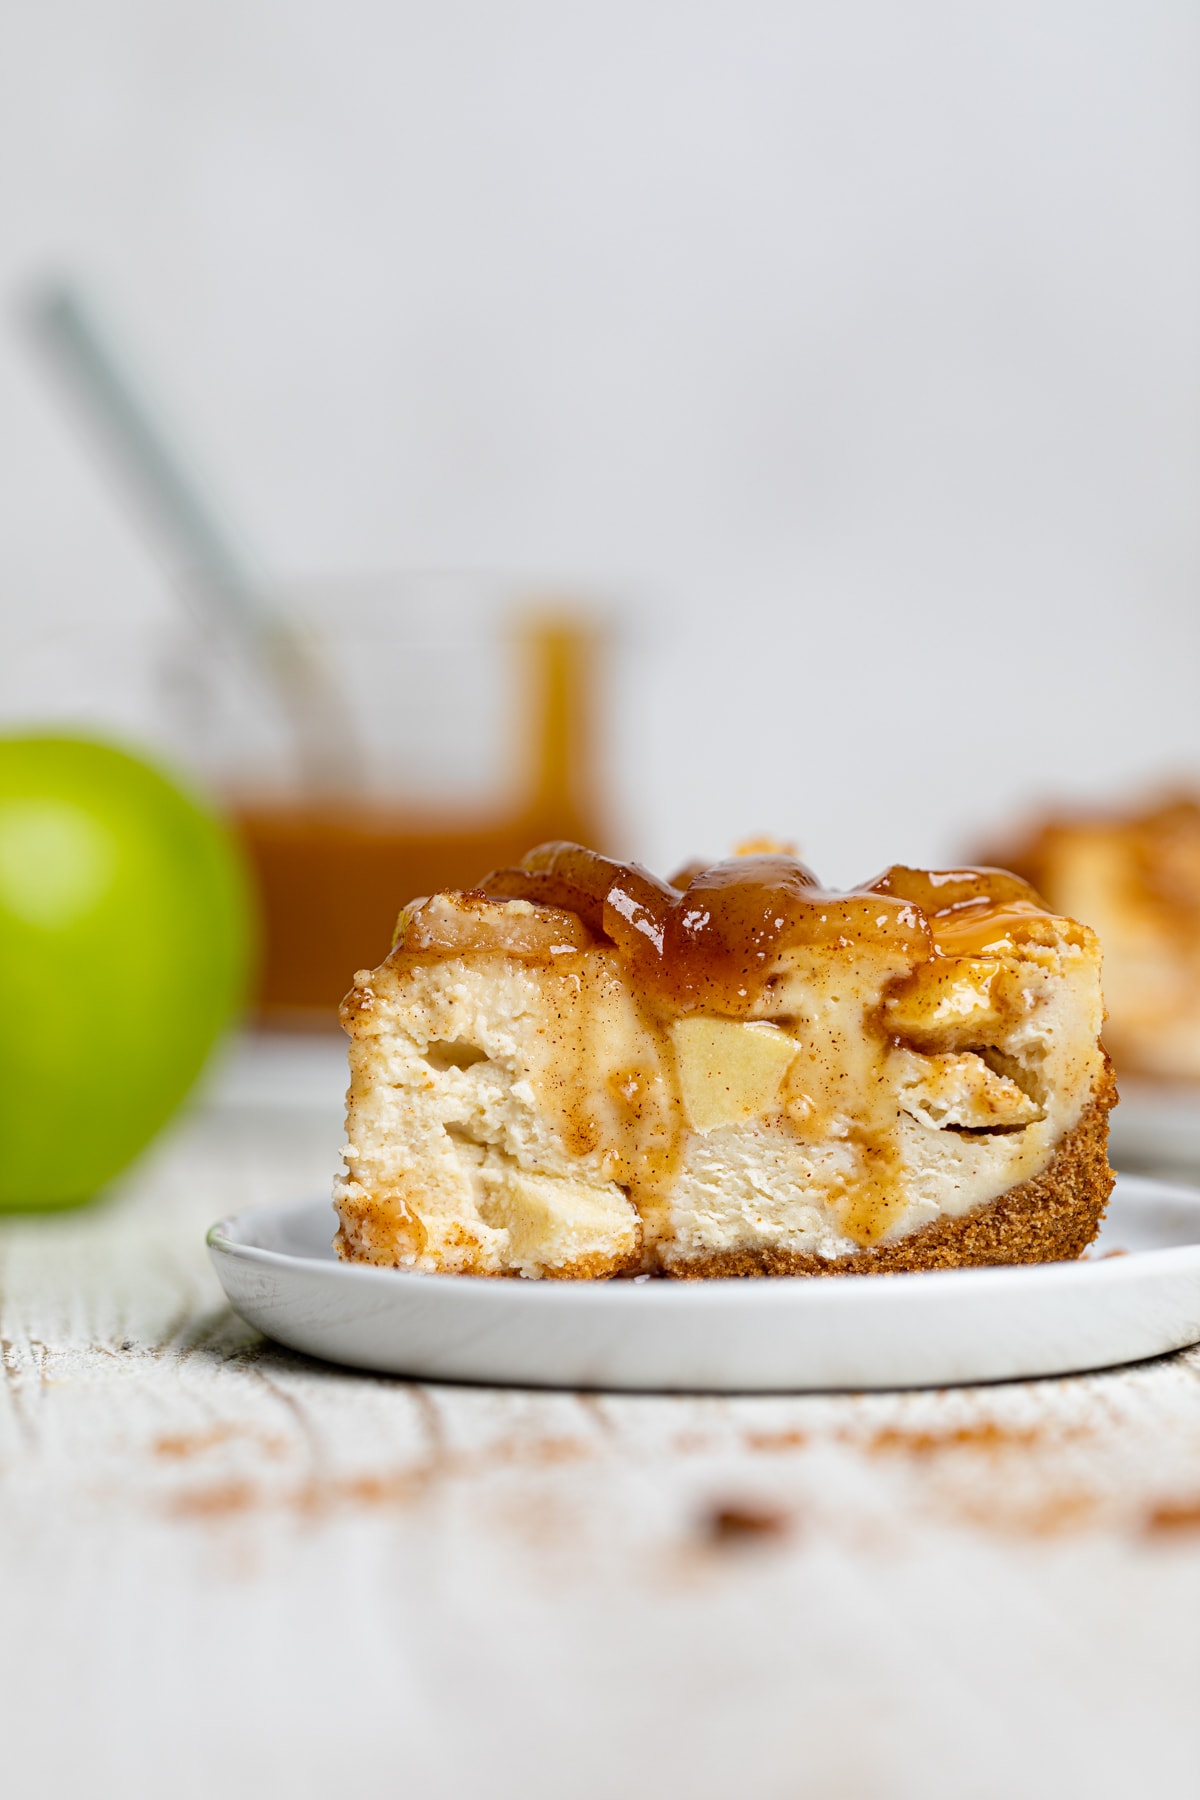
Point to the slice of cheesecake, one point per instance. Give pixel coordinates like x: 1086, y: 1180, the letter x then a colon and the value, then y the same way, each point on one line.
x: 581, y: 1070
x: 1135, y: 877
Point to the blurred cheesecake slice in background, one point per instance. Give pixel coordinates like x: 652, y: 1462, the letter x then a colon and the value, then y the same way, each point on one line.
x: 579, y: 1070
x: 1135, y: 878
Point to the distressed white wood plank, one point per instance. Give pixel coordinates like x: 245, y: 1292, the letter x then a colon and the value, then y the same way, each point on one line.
x: 223, y: 1565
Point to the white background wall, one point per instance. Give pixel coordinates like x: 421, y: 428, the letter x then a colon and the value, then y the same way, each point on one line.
x: 854, y: 346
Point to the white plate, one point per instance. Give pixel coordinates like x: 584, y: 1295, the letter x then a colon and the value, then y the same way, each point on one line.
x: 866, y: 1331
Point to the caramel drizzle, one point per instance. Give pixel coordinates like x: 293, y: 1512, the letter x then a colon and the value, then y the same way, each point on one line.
x: 713, y: 944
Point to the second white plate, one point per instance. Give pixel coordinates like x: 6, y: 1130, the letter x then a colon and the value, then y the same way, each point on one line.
x: 969, y: 1325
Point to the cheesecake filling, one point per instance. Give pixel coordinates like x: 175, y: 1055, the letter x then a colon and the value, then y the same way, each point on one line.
x: 581, y: 1070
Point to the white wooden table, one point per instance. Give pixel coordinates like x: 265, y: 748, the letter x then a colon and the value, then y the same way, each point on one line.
x: 227, y: 1570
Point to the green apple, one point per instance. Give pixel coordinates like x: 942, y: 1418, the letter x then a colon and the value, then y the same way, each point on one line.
x: 125, y: 932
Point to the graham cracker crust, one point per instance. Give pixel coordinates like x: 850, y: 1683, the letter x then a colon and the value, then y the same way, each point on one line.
x: 1052, y: 1218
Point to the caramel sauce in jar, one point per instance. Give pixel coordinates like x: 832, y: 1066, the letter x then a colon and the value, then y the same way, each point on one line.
x: 331, y: 876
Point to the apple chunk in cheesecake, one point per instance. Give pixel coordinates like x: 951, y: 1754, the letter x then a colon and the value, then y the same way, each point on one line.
x: 580, y: 1070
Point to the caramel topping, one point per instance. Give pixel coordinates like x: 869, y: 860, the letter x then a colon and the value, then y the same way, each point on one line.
x: 969, y: 911
x: 453, y: 926
x: 978, y: 929
x: 714, y: 944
